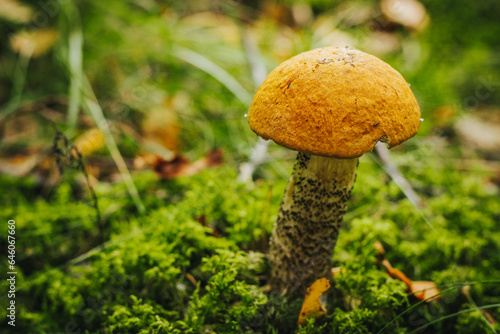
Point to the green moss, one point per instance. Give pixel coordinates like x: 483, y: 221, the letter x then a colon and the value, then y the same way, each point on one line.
x: 164, y: 272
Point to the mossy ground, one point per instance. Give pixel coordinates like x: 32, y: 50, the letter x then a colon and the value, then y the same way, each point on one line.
x: 164, y: 272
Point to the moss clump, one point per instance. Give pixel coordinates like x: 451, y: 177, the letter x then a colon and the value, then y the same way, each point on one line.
x: 165, y: 272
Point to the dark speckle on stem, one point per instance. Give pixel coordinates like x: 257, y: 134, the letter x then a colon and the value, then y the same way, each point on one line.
x: 309, y: 220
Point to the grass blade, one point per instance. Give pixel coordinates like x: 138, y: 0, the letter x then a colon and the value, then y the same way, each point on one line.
x: 18, y: 83
x: 453, y: 315
x: 453, y: 286
x: 75, y: 67
x: 214, y: 70
x: 82, y: 94
x: 90, y: 103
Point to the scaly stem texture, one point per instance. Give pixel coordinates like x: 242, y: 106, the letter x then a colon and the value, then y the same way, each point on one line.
x: 310, y: 216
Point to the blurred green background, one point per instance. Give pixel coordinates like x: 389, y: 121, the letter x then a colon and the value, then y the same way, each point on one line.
x: 191, y: 67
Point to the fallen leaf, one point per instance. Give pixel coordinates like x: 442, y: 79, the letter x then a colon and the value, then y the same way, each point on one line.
x: 180, y: 166
x: 398, y: 274
x: 15, y: 11
x: 89, y: 142
x: 20, y: 164
x: 312, y: 307
x: 147, y: 160
x: 33, y: 43
x: 424, y: 290
x: 161, y: 125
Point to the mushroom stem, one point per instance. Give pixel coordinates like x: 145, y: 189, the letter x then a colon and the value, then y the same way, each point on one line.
x: 308, y: 223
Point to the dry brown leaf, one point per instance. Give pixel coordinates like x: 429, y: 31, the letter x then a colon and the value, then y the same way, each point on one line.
x: 180, y: 166
x: 146, y: 160
x: 312, y: 308
x: 19, y: 164
x: 33, y: 43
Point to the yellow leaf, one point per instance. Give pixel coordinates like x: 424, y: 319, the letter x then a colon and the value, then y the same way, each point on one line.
x: 312, y: 308
x: 89, y: 142
x: 161, y: 126
x: 33, y: 43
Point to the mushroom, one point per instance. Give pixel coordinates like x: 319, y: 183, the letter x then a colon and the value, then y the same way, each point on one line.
x: 331, y: 105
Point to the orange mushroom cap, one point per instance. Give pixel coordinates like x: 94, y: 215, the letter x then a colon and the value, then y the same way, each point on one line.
x: 334, y: 102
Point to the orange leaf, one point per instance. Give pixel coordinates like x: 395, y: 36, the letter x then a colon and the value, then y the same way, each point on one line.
x: 398, y: 274
x: 424, y: 290
x: 312, y: 308
x: 421, y: 289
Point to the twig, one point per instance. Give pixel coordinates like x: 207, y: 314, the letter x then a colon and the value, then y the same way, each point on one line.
x: 68, y: 156
x: 259, y: 71
x: 90, y: 103
x: 93, y: 107
x: 392, y: 170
